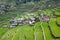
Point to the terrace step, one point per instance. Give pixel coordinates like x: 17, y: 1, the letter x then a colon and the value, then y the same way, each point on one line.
x: 57, y: 13
x: 58, y: 21
x: 47, y: 31
x: 38, y: 31
x: 54, y: 28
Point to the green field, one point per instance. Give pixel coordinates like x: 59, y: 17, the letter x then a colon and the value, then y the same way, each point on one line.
x: 41, y: 30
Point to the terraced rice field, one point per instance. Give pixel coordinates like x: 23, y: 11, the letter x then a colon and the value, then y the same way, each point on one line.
x: 40, y: 31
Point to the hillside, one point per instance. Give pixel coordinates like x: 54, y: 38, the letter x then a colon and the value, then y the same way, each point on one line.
x: 29, y: 19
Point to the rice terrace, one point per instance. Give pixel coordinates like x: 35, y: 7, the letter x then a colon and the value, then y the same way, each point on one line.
x: 29, y: 19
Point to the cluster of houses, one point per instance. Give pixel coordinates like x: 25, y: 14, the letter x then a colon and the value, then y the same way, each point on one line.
x: 31, y: 21
x: 44, y: 18
x: 4, y: 7
x: 20, y: 22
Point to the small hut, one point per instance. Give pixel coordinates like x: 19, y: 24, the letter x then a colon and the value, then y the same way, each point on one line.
x: 12, y: 26
x: 5, y: 26
x: 31, y: 22
x: 2, y: 6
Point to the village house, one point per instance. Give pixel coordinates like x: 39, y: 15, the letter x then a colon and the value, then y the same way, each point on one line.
x: 5, y: 26
x: 26, y: 21
x: 44, y: 18
x: 20, y: 21
x: 13, y: 20
x: 32, y: 21
x: 2, y: 6
x: 12, y: 26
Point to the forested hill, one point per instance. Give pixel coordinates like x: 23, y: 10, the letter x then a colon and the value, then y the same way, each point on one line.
x: 9, y: 8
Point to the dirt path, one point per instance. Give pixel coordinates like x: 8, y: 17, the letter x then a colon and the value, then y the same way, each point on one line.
x: 44, y: 38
